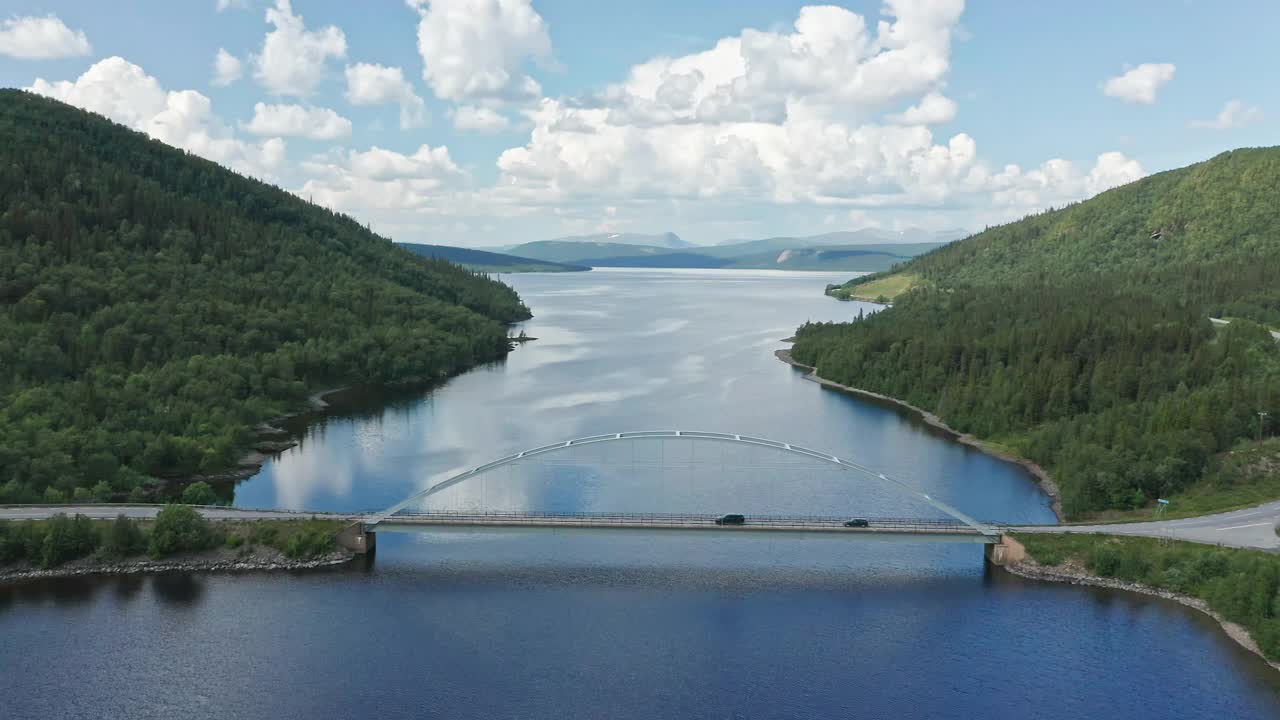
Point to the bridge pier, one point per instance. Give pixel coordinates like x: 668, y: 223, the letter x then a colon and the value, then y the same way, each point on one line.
x: 1006, y: 552
x: 357, y: 539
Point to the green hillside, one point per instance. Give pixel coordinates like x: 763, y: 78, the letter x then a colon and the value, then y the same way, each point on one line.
x: 817, y: 242
x: 488, y: 262
x: 853, y: 258
x: 1080, y: 336
x: 155, y: 306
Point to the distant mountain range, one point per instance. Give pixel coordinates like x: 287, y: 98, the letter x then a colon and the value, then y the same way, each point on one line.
x: 485, y: 261
x: 865, y: 236
x: 865, y: 250
x: 669, y: 240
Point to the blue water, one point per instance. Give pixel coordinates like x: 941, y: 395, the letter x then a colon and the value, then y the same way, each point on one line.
x: 549, y: 625
x: 632, y: 350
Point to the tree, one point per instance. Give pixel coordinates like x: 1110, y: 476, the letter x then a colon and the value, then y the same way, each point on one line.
x: 179, y: 528
x: 123, y: 538
x: 199, y: 493
x: 67, y: 539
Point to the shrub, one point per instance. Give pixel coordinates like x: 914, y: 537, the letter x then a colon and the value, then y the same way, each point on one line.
x: 179, y: 528
x: 264, y: 534
x: 67, y: 539
x: 11, y: 549
x: 1104, y: 559
x: 309, y: 542
x: 124, y: 538
x: 199, y: 493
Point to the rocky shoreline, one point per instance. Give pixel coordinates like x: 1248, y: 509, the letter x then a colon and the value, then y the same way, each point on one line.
x: 219, y: 561
x: 1041, y: 475
x: 1073, y: 573
x: 264, y: 449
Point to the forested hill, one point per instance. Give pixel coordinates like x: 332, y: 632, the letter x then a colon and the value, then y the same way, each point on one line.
x: 154, y: 306
x: 1182, y: 226
x: 1221, y: 211
x: 489, y: 262
x: 1080, y: 336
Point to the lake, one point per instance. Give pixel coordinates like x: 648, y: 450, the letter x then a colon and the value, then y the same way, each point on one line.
x: 549, y: 625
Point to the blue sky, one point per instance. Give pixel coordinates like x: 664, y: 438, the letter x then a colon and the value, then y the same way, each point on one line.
x: 491, y: 122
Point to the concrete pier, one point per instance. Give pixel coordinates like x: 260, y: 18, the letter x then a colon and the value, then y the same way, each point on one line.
x: 1006, y: 552
x: 357, y: 539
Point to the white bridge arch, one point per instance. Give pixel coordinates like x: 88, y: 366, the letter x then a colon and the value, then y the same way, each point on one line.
x: 372, y: 521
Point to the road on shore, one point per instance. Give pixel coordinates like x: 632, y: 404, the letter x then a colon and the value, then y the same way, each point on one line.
x: 1253, y: 527
x: 146, y: 512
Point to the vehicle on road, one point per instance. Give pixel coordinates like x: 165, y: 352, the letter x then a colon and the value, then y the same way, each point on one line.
x: 857, y: 523
x: 731, y: 519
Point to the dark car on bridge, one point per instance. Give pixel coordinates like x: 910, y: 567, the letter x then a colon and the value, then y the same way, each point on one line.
x: 731, y: 520
x: 857, y: 522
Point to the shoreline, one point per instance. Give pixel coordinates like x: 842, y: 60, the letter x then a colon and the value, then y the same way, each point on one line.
x: 1074, y: 574
x: 251, y: 462
x: 220, y: 562
x: 1043, y: 479
x: 857, y: 298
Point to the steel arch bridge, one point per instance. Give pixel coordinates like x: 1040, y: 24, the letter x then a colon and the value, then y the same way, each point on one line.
x: 960, y: 527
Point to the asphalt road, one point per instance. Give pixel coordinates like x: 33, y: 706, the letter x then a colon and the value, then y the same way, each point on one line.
x: 1249, y: 528
x: 1253, y: 527
x: 106, y: 512
x: 1220, y: 321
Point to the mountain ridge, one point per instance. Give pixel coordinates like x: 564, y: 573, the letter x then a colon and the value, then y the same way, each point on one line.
x: 488, y: 262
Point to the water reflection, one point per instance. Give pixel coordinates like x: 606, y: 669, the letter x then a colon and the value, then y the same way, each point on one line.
x: 628, y: 350
x: 179, y: 589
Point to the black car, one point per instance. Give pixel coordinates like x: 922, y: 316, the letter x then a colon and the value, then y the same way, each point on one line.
x: 731, y: 520
x: 857, y: 522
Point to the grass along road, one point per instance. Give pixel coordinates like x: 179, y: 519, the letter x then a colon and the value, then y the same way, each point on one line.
x: 1253, y: 527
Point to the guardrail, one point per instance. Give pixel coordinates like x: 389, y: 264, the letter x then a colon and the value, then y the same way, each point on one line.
x: 587, y: 519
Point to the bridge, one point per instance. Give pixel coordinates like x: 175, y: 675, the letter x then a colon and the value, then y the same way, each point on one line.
x: 956, y: 527
x: 360, y: 534
x: 875, y: 528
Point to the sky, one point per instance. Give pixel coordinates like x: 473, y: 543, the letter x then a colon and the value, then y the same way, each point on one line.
x: 494, y: 122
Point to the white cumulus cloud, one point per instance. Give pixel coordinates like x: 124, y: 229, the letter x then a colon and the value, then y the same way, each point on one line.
x: 478, y: 118
x: 1235, y: 114
x: 933, y: 109
x: 832, y: 61
x: 298, y: 121
x: 227, y: 68
x: 371, y: 84
x: 477, y: 50
x: 41, y: 38
x: 1139, y: 85
x: 378, y: 180
x: 122, y: 91
x: 1057, y: 182
x: 799, y: 118
x: 294, y: 60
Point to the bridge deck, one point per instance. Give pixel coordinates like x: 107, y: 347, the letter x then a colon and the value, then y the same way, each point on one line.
x: 877, y: 528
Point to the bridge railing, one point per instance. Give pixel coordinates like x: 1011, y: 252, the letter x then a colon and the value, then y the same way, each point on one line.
x: 690, y: 519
